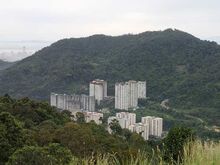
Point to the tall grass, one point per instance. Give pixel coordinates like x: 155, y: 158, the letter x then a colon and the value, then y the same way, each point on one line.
x: 196, y: 153
x: 199, y: 153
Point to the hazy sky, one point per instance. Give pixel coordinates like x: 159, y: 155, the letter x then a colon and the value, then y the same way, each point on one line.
x: 52, y: 20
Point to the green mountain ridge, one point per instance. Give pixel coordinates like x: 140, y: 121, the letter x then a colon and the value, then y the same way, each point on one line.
x: 176, y: 65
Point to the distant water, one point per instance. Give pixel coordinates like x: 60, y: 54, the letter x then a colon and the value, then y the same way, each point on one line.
x: 17, y: 50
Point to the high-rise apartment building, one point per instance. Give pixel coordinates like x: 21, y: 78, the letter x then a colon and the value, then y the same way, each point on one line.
x: 155, y: 125
x: 133, y: 94
x: 126, y: 95
x: 142, y: 87
x: 53, y: 99
x: 149, y: 125
x: 148, y: 120
x: 142, y: 129
x: 129, y: 117
x: 122, y: 96
x: 98, y: 88
x: 158, y: 126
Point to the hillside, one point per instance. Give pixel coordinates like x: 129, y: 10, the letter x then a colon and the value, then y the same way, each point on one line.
x: 5, y: 64
x: 176, y: 65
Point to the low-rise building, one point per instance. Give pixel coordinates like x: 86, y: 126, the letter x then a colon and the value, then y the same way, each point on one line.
x: 73, y: 103
x: 93, y: 116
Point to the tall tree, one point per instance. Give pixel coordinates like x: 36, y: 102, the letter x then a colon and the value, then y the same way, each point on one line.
x: 175, y: 141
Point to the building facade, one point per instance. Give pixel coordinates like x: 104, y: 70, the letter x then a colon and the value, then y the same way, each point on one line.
x: 121, y: 96
x: 133, y: 93
x: 124, y: 119
x: 93, y: 116
x: 158, y: 126
x: 73, y: 103
x: 142, y: 89
x: 98, y: 89
x: 155, y: 125
x: 142, y: 129
x: 126, y: 95
x: 149, y: 125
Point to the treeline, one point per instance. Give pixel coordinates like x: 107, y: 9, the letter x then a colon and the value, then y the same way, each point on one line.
x: 35, y: 133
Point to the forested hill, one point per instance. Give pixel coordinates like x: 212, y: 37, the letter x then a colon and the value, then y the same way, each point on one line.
x: 5, y: 64
x: 175, y: 64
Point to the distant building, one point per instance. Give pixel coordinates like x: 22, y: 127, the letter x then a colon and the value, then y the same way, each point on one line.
x: 148, y: 120
x: 133, y: 94
x: 149, y: 125
x: 73, y: 103
x: 126, y: 95
x: 93, y: 116
x: 155, y: 125
x: 130, y: 118
x: 142, y: 87
x: 53, y: 99
x: 98, y: 88
x: 158, y: 126
x: 142, y: 129
x: 121, y: 96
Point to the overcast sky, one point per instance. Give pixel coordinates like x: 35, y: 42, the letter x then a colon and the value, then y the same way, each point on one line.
x: 51, y: 20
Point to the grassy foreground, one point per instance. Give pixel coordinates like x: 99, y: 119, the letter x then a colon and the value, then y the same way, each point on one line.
x: 198, y: 153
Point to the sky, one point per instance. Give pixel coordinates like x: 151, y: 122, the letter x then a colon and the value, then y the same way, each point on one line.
x: 46, y: 21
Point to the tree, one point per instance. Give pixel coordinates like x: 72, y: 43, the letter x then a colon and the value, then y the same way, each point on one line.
x: 80, y: 118
x: 115, y: 127
x: 175, y: 141
x: 33, y: 155
x: 11, y: 136
x: 61, y: 154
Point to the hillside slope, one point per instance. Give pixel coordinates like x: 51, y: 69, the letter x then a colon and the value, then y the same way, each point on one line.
x: 5, y: 64
x: 175, y: 64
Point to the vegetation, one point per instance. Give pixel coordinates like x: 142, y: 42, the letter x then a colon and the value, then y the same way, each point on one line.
x: 34, y: 133
x: 176, y: 65
x: 198, y: 153
x: 5, y: 64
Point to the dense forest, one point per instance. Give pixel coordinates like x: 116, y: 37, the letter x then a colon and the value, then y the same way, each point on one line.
x: 33, y: 133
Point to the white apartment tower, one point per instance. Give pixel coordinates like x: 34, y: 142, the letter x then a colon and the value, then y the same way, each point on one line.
x: 142, y: 129
x: 148, y: 120
x: 133, y: 94
x: 126, y: 95
x: 155, y: 125
x: 141, y: 89
x: 158, y: 126
x: 129, y: 117
x: 122, y: 96
x: 125, y: 119
x: 149, y: 125
x: 98, y: 88
x: 53, y: 99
